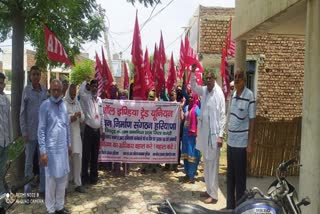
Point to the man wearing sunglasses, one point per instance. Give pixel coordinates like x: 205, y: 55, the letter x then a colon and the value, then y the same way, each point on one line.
x: 211, y: 125
x: 240, y: 138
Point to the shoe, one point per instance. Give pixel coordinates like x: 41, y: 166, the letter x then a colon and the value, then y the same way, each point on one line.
x: 63, y: 211
x: 204, y: 194
x: 184, y: 179
x: 191, y: 181
x: 210, y: 201
x: 80, y: 189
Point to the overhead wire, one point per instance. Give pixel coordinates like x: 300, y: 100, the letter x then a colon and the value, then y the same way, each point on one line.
x: 149, y: 19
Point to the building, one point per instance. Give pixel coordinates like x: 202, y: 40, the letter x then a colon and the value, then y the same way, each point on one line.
x: 298, y: 18
x: 274, y: 62
x: 29, y: 60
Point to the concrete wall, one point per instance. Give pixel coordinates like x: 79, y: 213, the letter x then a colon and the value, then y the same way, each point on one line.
x: 254, y: 16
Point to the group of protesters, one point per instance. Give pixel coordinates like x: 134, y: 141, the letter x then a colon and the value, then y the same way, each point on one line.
x: 62, y: 130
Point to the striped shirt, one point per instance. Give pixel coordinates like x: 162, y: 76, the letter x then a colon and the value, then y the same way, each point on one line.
x: 5, y: 121
x: 242, y: 109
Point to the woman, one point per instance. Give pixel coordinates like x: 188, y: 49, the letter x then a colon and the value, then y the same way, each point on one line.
x: 189, y: 153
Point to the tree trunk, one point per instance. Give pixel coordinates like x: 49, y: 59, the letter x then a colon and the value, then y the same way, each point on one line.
x: 17, y: 71
x: 18, y: 31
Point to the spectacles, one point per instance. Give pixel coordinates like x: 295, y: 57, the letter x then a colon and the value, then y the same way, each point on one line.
x: 209, y: 78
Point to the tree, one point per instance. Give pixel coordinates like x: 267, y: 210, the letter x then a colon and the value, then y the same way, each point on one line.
x: 146, y: 2
x: 73, y: 22
x: 81, y: 71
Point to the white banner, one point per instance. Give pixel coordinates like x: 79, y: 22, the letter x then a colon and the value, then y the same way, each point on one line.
x: 140, y: 131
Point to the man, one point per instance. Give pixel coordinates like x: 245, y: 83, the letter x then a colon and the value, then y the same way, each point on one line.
x: 210, y: 131
x: 54, y: 145
x: 5, y: 130
x: 32, y: 97
x: 91, y: 140
x: 240, y: 138
x: 76, y: 116
x: 113, y: 94
x: 173, y: 167
x: 147, y: 166
x: 65, y: 86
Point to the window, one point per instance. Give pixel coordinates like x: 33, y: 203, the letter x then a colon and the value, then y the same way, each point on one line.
x: 251, y: 74
x: 251, y: 71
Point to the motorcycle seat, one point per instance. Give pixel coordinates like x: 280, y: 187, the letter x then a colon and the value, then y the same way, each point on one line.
x: 183, y: 208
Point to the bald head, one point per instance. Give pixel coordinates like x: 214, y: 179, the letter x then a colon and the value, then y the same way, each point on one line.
x: 56, y: 88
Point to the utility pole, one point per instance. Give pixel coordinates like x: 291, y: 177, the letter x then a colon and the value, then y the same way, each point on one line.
x: 106, y: 46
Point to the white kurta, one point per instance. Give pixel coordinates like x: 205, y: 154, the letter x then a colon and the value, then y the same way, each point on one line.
x: 211, y: 122
x: 73, y: 106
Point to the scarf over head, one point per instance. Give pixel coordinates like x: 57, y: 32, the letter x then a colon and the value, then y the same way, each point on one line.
x: 192, y: 115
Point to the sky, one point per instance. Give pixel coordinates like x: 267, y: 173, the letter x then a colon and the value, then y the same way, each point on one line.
x: 120, y: 18
x: 172, y: 20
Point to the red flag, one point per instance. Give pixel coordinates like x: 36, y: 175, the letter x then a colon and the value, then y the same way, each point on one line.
x: 190, y: 59
x: 181, y: 60
x: 154, y: 63
x: 171, y: 75
x: 225, y: 73
x: 98, y: 76
x: 161, y: 61
x: 106, y: 74
x: 55, y: 50
x: 198, y: 76
x: 230, y: 44
x: 137, y: 60
x: 162, y: 53
x: 148, y: 76
x: 126, y: 77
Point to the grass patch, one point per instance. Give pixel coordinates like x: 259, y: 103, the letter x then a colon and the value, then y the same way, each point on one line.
x: 15, y: 149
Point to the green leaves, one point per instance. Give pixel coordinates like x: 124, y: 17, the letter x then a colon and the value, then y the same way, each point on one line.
x: 81, y: 71
x: 74, y: 22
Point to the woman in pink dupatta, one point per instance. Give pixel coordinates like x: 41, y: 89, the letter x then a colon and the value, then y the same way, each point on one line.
x: 189, y: 153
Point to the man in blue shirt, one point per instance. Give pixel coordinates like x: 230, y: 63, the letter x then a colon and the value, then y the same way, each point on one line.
x: 54, y: 145
x: 32, y: 97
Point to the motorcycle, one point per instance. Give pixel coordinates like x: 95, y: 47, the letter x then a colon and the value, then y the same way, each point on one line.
x: 281, y: 198
x: 9, y: 196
